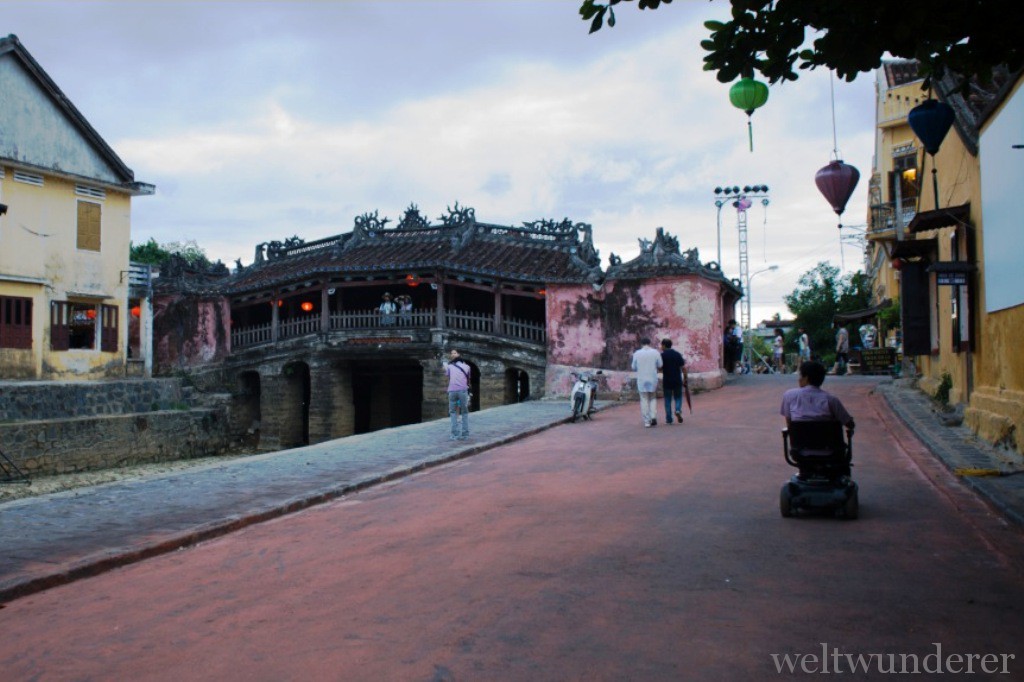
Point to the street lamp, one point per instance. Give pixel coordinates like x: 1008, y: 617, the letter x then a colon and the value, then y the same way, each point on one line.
x: 748, y: 332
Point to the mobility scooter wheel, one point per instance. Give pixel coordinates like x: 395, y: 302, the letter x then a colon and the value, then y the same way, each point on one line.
x: 785, y: 502
x: 851, y: 509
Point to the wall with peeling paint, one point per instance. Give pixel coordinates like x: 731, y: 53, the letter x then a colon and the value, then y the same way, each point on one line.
x: 599, y: 329
x: 190, y: 332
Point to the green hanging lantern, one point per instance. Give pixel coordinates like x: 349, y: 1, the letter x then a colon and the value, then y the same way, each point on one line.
x: 748, y: 94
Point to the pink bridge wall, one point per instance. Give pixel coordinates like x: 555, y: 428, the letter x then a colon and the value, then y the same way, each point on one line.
x: 189, y: 332
x: 592, y: 330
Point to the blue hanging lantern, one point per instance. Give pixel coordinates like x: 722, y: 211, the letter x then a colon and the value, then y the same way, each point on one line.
x: 930, y: 121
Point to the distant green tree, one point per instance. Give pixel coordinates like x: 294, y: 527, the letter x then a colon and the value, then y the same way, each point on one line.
x: 820, y: 294
x: 153, y: 253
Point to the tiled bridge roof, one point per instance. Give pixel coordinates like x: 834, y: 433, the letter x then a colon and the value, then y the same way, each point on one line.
x: 538, y: 252
x: 541, y: 251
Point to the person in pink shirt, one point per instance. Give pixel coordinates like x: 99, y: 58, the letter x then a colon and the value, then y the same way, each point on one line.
x: 810, y: 403
x: 458, y: 394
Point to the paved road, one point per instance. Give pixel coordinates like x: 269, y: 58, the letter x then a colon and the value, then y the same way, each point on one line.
x: 588, y: 551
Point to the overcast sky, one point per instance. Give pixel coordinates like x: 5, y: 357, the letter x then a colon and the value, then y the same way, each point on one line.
x: 261, y: 120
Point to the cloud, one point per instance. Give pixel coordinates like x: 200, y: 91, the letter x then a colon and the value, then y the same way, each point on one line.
x: 259, y: 121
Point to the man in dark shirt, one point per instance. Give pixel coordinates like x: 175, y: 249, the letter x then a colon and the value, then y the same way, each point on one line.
x: 674, y: 377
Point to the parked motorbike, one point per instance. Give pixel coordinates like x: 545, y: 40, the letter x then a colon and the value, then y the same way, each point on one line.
x: 583, y: 394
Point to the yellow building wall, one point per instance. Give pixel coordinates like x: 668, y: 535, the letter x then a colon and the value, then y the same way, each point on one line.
x: 996, y: 409
x: 39, y: 258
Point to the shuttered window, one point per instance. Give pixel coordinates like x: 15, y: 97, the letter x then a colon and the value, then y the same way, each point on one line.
x: 15, y: 322
x: 60, y: 332
x: 89, y: 226
x: 109, y: 328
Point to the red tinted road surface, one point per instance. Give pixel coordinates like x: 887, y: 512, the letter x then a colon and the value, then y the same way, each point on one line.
x: 598, y: 551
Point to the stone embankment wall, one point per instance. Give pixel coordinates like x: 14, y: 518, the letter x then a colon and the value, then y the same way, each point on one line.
x: 62, y: 427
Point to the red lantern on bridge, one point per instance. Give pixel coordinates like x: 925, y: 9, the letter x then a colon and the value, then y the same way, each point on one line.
x: 307, y: 306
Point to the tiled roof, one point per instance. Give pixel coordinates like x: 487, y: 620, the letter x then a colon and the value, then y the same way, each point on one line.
x: 975, y: 103
x: 541, y: 252
x: 662, y: 257
x: 901, y: 71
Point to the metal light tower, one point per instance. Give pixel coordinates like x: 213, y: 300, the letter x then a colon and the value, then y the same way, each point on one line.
x: 741, y: 198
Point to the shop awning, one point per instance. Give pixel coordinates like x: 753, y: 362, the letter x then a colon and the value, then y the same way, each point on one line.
x: 941, y: 217
x: 865, y: 313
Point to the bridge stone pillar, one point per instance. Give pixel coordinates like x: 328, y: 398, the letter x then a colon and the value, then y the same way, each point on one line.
x: 331, y: 412
x: 272, y: 410
x: 435, y: 390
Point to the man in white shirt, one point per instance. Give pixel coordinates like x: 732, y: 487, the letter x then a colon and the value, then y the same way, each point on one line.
x: 646, y: 363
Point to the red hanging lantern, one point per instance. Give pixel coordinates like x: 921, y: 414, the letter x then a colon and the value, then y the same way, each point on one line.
x: 837, y: 181
x: 136, y: 311
x: 897, y: 264
x: 307, y: 306
x: 91, y: 313
x: 412, y: 280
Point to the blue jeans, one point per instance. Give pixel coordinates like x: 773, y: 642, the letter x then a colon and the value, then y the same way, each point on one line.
x: 670, y: 394
x: 458, y: 401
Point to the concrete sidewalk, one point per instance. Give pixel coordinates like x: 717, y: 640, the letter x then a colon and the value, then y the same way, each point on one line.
x: 55, y: 539
x: 995, y: 475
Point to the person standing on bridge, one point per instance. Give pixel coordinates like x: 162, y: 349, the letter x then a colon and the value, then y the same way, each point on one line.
x: 458, y: 394
x: 646, y: 363
x: 387, y: 311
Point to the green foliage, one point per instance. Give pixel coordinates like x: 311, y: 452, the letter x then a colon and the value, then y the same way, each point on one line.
x: 851, y: 37
x: 945, y: 386
x: 153, y: 253
x: 595, y: 12
x: 889, y: 317
x: 820, y: 294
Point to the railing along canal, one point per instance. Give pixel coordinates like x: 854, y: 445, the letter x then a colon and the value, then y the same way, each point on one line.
x: 363, y: 320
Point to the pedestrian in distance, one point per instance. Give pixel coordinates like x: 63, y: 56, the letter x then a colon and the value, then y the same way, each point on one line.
x: 729, y: 346
x: 804, y: 343
x: 779, y: 351
x: 673, y: 378
x: 458, y: 394
x: 646, y: 363
x: 842, y: 349
x: 738, y: 348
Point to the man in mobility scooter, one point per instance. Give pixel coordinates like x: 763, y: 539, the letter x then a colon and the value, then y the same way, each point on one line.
x: 813, y: 442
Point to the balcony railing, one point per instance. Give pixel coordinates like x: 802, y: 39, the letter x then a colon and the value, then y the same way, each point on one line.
x: 364, y: 320
x: 883, y: 216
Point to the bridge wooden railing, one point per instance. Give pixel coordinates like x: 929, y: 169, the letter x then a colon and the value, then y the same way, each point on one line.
x: 361, y: 320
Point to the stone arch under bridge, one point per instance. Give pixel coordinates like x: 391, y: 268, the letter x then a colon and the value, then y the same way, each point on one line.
x: 316, y: 393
